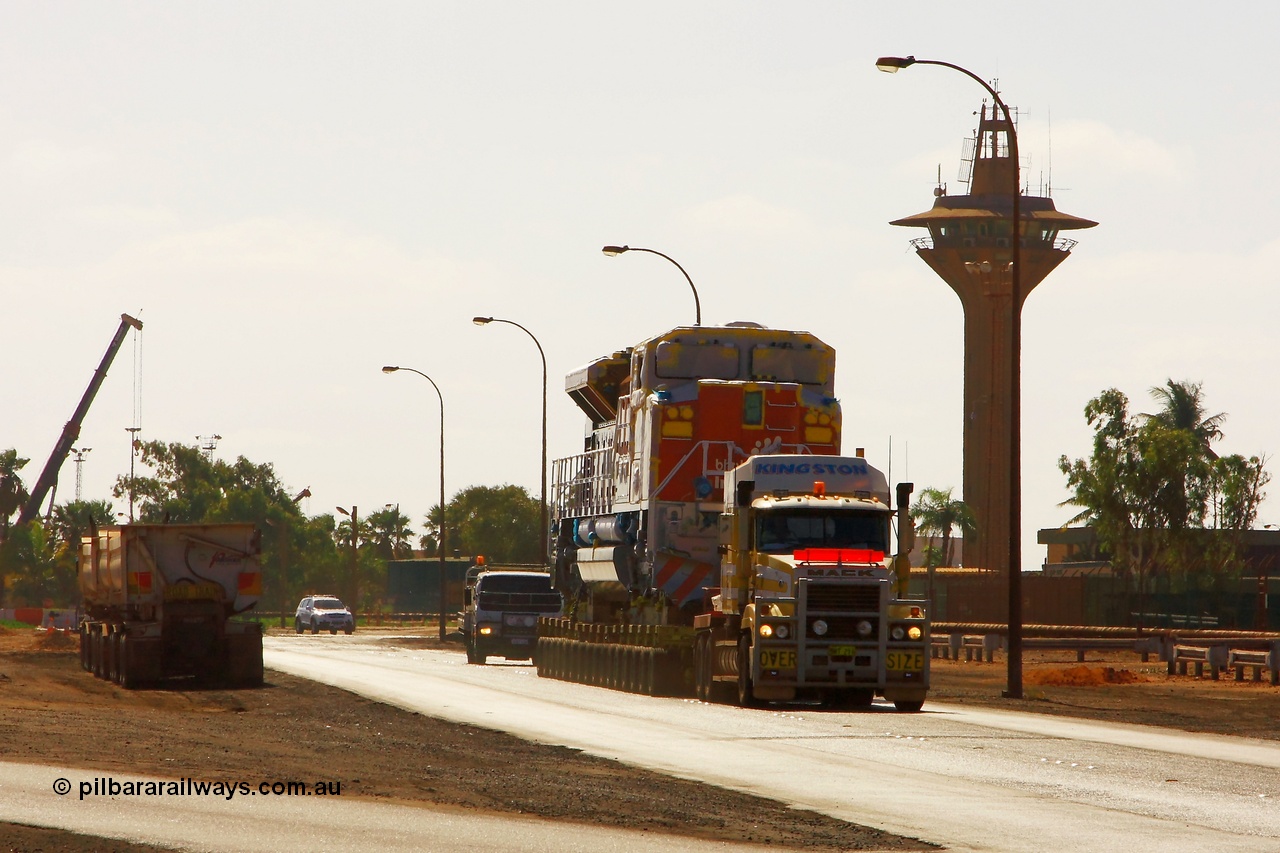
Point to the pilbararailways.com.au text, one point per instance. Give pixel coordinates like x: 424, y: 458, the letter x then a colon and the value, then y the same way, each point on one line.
x: 107, y: 786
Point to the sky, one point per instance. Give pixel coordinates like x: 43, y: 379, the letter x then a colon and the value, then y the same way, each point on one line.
x: 292, y: 195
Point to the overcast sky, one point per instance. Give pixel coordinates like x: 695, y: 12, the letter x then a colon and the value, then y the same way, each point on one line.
x: 291, y: 195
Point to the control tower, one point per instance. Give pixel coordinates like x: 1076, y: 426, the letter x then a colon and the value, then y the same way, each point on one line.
x: 969, y: 247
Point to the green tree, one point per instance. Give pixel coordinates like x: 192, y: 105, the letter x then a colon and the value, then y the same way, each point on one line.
x: 1156, y: 494
x: 937, y: 513
x: 42, y: 568
x: 499, y: 522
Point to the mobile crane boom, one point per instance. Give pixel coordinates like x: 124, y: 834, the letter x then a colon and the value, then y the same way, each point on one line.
x: 71, y: 431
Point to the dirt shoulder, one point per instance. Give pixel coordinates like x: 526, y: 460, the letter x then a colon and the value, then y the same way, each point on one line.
x: 53, y: 712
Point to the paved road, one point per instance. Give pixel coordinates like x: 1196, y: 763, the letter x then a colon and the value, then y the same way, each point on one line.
x: 971, y: 780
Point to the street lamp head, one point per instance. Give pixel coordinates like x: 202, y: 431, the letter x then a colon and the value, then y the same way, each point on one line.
x: 482, y: 321
x: 894, y: 64
x: 389, y: 369
x: 343, y: 511
x: 614, y: 251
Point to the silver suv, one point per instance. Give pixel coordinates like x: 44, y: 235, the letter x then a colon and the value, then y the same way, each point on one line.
x: 323, y: 611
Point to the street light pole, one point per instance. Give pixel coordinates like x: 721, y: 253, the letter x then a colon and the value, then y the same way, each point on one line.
x: 613, y: 251
x: 484, y: 321
x: 891, y: 65
x: 444, y: 588
x: 354, y: 515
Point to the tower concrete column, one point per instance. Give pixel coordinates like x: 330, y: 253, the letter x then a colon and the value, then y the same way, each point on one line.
x: 970, y: 247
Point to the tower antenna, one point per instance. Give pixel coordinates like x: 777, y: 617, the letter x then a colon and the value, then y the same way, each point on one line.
x: 1049, y: 194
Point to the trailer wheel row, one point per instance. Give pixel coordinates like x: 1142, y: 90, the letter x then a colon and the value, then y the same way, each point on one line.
x: 634, y: 669
x: 107, y: 655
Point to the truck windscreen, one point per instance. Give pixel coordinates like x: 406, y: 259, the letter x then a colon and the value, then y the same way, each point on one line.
x: 779, y: 531
x: 530, y: 592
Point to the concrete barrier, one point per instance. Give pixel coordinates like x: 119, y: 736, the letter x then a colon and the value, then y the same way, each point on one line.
x: 1213, y: 656
x: 1256, y: 660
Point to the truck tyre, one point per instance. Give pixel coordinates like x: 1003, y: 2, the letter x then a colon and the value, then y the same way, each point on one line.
x: 113, y: 645
x: 746, y: 697
x: 649, y: 672
x: 315, y: 629
x: 347, y: 630
x: 95, y: 651
x: 910, y: 707
x: 297, y: 625
x: 702, y: 667
x: 334, y: 631
x: 128, y: 679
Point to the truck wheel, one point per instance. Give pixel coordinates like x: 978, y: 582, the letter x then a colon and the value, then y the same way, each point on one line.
x: 297, y: 625
x: 114, y: 672
x: 702, y: 668
x: 95, y: 651
x: 315, y: 629
x: 347, y: 630
x: 128, y: 680
x: 746, y: 698
x: 333, y: 631
x: 909, y: 707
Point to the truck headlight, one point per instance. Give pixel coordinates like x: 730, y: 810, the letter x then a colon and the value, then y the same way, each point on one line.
x: 914, y: 632
x: 864, y: 628
x: 783, y: 632
x: 486, y: 630
x: 897, y: 632
x: 820, y: 627
x: 766, y: 631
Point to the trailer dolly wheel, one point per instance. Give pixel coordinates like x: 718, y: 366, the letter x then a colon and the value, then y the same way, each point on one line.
x: 746, y: 697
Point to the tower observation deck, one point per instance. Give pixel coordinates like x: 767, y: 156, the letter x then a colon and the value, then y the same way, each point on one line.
x: 969, y: 247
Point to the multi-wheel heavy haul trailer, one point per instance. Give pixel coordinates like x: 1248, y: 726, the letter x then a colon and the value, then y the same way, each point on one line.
x: 711, y: 540
x: 159, y: 601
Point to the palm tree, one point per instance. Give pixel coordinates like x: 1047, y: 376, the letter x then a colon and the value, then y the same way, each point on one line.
x: 390, y: 531
x: 1182, y: 408
x: 937, y: 513
x: 13, y: 494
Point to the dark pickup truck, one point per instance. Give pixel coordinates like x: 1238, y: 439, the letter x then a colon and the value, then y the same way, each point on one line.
x: 501, y: 611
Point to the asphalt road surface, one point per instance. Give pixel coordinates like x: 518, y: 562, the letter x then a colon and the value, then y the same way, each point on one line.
x: 966, y: 779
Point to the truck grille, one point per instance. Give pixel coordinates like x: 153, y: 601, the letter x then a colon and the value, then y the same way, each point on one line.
x: 843, y: 598
x: 534, y: 602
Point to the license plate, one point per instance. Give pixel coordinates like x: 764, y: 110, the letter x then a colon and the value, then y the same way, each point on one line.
x: 901, y: 661
x: 189, y: 591
x: 841, y: 651
x: 777, y: 658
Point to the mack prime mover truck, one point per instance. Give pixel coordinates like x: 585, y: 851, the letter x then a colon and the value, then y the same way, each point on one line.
x: 659, y: 530
x: 159, y: 601
x: 807, y: 603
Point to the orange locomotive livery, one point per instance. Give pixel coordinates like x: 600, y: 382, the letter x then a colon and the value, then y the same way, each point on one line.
x: 635, y: 514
